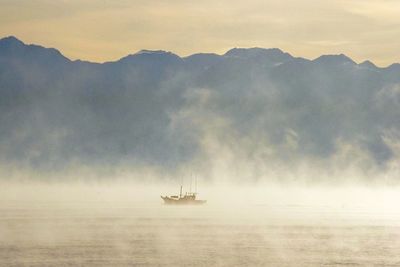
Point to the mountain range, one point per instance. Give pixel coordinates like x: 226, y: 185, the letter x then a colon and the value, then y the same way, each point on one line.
x: 253, y: 106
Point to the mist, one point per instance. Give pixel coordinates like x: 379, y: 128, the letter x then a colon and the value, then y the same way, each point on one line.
x: 246, y: 116
x: 298, y: 159
x: 124, y: 223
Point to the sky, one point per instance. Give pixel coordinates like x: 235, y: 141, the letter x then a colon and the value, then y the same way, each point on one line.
x: 109, y: 29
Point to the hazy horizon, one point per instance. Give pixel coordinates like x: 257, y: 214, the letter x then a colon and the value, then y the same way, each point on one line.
x: 110, y: 29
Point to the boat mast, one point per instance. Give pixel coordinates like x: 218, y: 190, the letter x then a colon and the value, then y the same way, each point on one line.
x: 195, y: 184
x: 180, y: 194
x: 191, y: 181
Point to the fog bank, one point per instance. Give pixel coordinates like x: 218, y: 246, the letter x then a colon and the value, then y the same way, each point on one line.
x: 246, y: 116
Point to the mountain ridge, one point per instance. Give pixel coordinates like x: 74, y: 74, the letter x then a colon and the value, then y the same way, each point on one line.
x: 251, y: 52
x: 155, y: 108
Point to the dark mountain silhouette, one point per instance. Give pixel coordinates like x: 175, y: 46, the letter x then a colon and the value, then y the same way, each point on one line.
x: 156, y: 108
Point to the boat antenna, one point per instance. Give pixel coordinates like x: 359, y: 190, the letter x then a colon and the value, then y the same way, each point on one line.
x: 180, y: 194
x: 191, y: 181
x: 195, y: 184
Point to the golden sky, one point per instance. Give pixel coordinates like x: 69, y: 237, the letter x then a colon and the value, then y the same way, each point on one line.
x: 102, y: 30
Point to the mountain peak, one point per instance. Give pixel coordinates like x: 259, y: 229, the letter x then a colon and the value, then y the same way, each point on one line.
x: 334, y: 59
x: 152, y: 52
x: 11, y: 47
x: 394, y: 66
x: 152, y: 55
x: 367, y: 64
x: 252, y: 52
x: 10, y: 41
x: 262, y: 54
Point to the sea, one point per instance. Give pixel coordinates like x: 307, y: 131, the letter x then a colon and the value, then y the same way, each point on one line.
x: 106, y: 227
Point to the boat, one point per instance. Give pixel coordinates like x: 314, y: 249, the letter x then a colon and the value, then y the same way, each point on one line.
x: 187, y: 199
